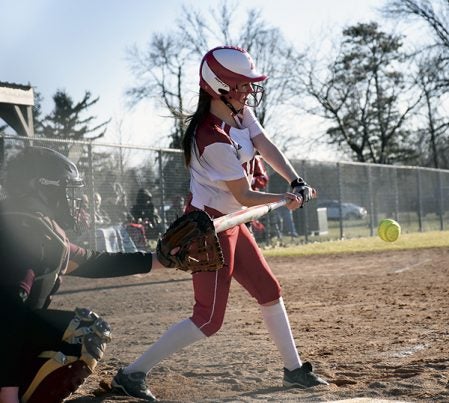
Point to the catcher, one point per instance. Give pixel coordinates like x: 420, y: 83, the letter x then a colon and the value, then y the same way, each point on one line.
x: 47, y: 354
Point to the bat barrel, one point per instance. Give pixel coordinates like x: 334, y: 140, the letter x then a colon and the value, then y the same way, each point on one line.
x: 243, y: 216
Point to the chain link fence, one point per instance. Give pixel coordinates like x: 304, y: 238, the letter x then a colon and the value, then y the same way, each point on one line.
x: 132, y: 193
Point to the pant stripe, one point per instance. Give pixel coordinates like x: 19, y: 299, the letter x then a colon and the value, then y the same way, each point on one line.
x: 215, y: 299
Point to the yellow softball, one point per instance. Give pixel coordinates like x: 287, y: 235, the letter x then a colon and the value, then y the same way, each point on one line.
x: 389, y: 230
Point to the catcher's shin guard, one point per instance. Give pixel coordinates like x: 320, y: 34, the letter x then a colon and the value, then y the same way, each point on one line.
x: 58, y: 375
x: 92, y: 332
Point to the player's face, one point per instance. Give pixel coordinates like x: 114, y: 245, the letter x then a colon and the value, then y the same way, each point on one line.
x: 244, y: 90
x: 248, y: 94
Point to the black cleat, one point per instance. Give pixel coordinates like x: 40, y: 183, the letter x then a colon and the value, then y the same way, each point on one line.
x: 133, y: 385
x: 302, y: 377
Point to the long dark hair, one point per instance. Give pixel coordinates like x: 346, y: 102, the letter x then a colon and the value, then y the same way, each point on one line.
x: 193, y: 120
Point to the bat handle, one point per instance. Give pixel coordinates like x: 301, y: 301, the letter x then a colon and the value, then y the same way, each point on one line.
x: 275, y: 205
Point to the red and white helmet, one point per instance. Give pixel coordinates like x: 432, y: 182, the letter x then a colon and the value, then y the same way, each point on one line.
x: 224, y: 67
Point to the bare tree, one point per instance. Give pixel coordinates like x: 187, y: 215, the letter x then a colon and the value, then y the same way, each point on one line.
x: 160, y: 70
x: 435, y: 16
x: 435, y: 13
x: 169, y: 65
x: 364, y: 95
x: 433, y: 77
x: 434, y: 131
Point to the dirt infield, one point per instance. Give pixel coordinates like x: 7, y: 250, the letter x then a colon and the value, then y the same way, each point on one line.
x: 376, y: 325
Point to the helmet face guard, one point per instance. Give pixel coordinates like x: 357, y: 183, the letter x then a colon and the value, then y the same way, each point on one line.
x: 253, y: 98
x: 224, y: 69
x: 44, y: 179
x: 64, y: 203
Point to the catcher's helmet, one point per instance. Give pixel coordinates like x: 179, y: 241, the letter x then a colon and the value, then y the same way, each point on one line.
x: 39, y: 174
x: 224, y: 68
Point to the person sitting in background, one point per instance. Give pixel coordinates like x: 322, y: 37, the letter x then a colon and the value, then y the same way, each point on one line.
x: 176, y: 209
x: 82, y: 215
x: 101, y: 216
x: 144, y: 212
x: 136, y: 231
x: 115, y: 203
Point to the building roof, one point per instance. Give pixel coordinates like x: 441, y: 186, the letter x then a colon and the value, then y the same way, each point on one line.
x: 17, y: 94
x: 16, y: 107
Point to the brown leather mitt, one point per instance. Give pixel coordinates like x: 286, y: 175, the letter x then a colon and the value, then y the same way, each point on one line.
x: 194, y: 233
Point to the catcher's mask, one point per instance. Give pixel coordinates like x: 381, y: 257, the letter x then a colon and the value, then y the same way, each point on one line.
x: 225, y: 69
x: 44, y: 179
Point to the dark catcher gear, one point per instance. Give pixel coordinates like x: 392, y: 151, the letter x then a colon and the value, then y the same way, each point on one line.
x: 45, y: 181
x: 47, y: 354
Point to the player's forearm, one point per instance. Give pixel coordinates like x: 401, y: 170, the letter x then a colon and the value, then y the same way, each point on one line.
x: 95, y: 264
x: 275, y: 158
x: 255, y: 198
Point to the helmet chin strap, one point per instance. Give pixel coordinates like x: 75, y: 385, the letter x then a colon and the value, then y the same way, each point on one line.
x: 230, y: 106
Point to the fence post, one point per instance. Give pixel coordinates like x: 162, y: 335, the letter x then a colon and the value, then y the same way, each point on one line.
x: 305, y: 210
x: 440, y: 201
x: 162, y: 184
x: 396, y: 194
x: 91, y: 184
x: 419, y: 195
x: 120, y: 156
x: 2, y: 153
x: 372, y: 219
x: 340, y: 208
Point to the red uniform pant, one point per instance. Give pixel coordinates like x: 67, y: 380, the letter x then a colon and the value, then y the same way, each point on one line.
x: 244, y: 262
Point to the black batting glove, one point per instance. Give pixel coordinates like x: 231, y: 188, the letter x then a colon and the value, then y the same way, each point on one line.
x: 300, y: 187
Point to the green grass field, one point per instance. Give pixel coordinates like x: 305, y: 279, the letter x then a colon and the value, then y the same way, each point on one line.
x: 432, y: 239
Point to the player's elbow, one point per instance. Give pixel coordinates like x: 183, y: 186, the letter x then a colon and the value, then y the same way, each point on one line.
x: 244, y: 198
x: 249, y: 199
x: 241, y: 191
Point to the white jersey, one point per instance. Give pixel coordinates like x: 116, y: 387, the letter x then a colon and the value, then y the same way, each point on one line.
x: 222, y: 153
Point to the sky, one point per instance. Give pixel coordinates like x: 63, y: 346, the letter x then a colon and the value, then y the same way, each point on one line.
x: 80, y: 45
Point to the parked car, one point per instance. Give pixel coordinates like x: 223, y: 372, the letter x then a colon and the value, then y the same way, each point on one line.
x: 349, y: 211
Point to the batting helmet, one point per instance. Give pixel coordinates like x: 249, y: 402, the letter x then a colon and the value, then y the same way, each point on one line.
x: 224, y: 68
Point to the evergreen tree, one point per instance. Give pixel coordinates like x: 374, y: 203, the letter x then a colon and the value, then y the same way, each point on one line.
x: 66, y: 121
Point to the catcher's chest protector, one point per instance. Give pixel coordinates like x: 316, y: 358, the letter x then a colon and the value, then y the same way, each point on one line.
x: 40, y: 244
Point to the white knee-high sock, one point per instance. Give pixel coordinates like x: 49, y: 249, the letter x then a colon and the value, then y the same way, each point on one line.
x: 277, y: 324
x: 174, y: 339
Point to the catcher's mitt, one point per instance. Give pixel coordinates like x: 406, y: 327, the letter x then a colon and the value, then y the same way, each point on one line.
x: 194, y: 233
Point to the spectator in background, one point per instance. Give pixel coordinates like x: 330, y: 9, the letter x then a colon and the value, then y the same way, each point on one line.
x: 116, y: 203
x: 101, y: 217
x: 82, y: 216
x: 137, y: 233
x: 260, y: 182
x: 260, y: 175
x: 288, y: 225
x: 176, y: 209
x: 144, y: 212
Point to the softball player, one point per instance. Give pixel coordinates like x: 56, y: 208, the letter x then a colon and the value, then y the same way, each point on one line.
x: 219, y: 144
x: 48, y: 353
